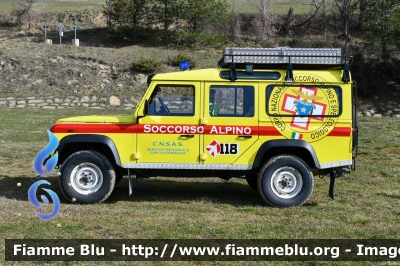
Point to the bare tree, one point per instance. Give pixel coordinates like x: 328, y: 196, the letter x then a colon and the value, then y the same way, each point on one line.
x: 346, y: 9
x: 289, y: 21
x: 324, y: 11
x: 316, y: 6
x: 236, y: 23
x: 24, y: 9
x: 263, y: 22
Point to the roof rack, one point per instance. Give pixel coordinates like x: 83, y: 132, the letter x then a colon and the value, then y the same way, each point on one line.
x: 261, y: 57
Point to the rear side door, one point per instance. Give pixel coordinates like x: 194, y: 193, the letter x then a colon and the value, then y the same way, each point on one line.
x: 230, y: 124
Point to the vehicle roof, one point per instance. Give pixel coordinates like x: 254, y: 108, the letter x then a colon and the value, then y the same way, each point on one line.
x: 201, y: 74
x: 213, y: 74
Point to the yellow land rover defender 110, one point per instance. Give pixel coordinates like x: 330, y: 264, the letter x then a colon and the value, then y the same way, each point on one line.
x: 275, y: 116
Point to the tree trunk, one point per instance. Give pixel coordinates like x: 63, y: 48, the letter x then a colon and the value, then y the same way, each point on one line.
x: 289, y: 21
x: 346, y: 36
x: 165, y: 19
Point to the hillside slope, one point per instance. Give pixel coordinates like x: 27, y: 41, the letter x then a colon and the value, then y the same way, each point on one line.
x: 101, y: 67
x: 30, y: 67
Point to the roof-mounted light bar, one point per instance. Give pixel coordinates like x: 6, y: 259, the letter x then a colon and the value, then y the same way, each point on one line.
x: 284, y: 55
x: 261, y: 57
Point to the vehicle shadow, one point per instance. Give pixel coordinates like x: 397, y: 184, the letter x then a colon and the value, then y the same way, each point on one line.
x: 17, y: 187
x: 150, y: 190
x: 195, y: 189
x: 213, y: 190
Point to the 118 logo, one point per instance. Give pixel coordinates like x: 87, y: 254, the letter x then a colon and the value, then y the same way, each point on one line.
x: 215, y: 148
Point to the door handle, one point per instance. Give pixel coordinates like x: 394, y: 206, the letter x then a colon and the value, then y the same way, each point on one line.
x: 246, y: 137
x: 187, y: 136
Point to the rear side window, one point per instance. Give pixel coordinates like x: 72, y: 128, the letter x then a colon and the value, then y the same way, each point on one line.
x: 231, y: 101
x: 304, y: 101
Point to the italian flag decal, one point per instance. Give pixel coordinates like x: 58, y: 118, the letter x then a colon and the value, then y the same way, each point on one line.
x: 297, y: 135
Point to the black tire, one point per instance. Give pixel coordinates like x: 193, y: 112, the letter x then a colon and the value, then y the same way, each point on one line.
x: 87, y: 177
x: 252, y: 181
x: 285, y: 181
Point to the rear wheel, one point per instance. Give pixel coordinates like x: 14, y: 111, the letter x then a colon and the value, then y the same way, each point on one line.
x: 87, y: 177
x: 285, y: 181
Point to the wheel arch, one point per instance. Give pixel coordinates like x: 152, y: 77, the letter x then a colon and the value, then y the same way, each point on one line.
x: 73, y: 143
x: 299, y: 148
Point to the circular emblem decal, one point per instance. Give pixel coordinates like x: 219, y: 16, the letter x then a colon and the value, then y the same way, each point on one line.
x: 306, y: 112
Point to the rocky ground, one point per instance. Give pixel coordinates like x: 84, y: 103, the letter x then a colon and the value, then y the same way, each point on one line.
x: 98, y: 73
x: 31, y: 68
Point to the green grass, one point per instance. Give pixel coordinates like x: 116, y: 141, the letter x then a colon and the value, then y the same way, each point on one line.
x: 244, y: 6
x: 64, y: 5
x: 59, y: 5
x: 277, y: 6
x: 366, y: 203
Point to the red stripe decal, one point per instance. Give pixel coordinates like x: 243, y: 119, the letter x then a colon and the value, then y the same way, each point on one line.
x: 94, y: 128
x: 230, y: 130
x: 269, y: 131
x: 341, y: 132
x: 105, y: 128
x: 197, y: 129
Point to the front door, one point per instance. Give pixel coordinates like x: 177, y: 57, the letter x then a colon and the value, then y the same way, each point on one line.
x: 170, y: 133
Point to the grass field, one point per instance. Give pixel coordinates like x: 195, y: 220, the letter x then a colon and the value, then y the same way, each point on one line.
x: 59, y: 5
x: 277, y: 6
x: 244, y: 6
x: 366, y: 204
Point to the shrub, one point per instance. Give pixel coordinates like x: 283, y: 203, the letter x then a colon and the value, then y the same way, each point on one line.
x: 301, y: 42
x: 203, y: 39
x: 374, y: 75
x: 147, y: 65
x: 396, y: 66
x: 296, y: 42
x: 5, y: 19
x: 215, y: 40
x: 176, y: 60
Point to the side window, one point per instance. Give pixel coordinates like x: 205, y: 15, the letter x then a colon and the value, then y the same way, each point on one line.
x: 236, y: 101
x: 169, y: 100
x: 304, y: 101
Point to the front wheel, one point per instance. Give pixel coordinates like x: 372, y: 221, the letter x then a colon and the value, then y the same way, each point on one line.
x: 285, y: 181
x: 87, y: 177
